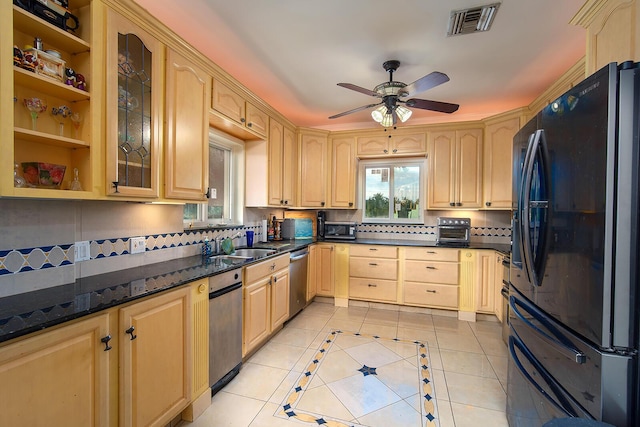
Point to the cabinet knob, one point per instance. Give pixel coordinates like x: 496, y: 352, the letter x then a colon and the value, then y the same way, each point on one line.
x: 452, y: 204
x: 321, y: 203
x: 350, y: 204
x: 286, y: 202
x: 115, y: 185
x: 242, y: 120
x: 488, y: 203
x: 458, y: 204
x: 130, y: 332
x: 249, y: 124
x: 395, y: 150
x: 105, y: 341
x: 272, y: 266
x: 385, y: 151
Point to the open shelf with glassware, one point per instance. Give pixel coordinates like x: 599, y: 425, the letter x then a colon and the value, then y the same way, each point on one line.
x: 52, y: 137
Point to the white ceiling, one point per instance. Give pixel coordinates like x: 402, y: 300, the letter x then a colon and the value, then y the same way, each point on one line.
x: 292, y: 53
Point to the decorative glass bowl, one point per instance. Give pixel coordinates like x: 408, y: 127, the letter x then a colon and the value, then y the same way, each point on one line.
x: 43, y: 175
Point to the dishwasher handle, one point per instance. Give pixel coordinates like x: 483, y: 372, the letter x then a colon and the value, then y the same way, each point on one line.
x: 297, y: 256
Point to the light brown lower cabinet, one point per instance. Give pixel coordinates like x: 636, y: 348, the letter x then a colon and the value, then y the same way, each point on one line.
x: 155, y: 359
x: 127, y: 366
x: 58, y: 377
x: 265, y: 300
x: 373, y: 273
x: 431, y: 277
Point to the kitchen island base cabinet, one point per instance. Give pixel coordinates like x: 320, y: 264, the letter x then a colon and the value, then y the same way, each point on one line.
x: 155, y: 356
x: 57, y: 378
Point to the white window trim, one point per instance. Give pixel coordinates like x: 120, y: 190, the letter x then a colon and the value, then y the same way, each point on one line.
x: 391, y: 163
x: 218, y: 138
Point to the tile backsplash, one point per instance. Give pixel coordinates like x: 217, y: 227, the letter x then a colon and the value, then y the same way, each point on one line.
x: 38, y: 237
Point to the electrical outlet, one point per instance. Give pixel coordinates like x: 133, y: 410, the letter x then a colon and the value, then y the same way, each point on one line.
x: 137, y: 245
x: 81, y: 251
x: 214, y: 193
x: 138, y: 287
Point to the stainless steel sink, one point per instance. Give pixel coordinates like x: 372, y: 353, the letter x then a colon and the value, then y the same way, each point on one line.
x: 229, y: 259
x: 253, y: 252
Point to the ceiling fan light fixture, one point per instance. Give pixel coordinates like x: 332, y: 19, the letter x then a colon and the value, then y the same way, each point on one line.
x: 387, y: 120
x: 403, y: 113
x: 378, y: 113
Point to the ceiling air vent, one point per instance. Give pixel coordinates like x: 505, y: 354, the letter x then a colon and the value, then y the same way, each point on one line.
x: 472, y: 20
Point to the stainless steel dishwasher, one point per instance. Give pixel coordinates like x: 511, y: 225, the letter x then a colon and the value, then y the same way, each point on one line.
x: 298, y: 281
x: 225, y: 328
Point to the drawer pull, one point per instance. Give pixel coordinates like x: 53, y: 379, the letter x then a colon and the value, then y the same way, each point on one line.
x: 430, y: 291
x: 372, y: 285
x: 430, y: 267
x: 373, y: 264
x: 373, y: 249
x: 432, y: 252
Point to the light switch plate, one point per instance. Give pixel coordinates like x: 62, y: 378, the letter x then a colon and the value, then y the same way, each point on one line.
x: 81, y: 251
x: 137, y: 245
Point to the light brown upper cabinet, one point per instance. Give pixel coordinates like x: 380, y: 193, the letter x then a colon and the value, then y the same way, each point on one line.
x: 312, y: 188
x: 134, y: 104
x: 233, y: 106
x: 188, y: 94
x: 497, y: 162
x: 282, y: 164
x: 455, y: 169
x: 389, y: 144
x: 344, y: 166
x: 27, y: 135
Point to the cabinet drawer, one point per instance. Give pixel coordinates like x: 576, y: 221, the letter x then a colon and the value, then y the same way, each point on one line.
x: 374, y: 268
x: 432, y: 272
x: 431, y: 295
x: 374, y: 251
x: 432, y: 254
x: 265, y: 268
x: 372, y: 289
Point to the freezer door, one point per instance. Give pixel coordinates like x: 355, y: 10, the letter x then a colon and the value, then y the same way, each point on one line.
x: 581, y: 380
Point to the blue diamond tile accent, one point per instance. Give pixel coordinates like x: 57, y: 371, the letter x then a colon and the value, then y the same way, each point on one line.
x: 366, y: 370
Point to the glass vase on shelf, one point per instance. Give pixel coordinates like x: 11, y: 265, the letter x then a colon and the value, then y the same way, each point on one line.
x: 35, y: 107
x: 18, y: 181
x: 62, y: 113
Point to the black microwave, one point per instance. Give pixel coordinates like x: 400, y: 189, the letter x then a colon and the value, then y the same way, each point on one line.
x: 339, y: 230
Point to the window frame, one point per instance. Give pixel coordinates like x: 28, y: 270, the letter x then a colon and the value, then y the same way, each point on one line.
x: 234, y: 208
x: 421, y: 163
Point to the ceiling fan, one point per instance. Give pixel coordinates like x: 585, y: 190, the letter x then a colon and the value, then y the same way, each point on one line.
x: 391, y: 93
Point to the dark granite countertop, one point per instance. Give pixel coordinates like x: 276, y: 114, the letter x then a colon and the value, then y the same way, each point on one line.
x: 24, y: 313
x: 501, y: 247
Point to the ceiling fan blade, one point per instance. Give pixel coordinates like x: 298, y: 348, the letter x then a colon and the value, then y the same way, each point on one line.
x: 427, y: 82
x: 425, y: 104
x: 360, y: 89
x: 355, y: 110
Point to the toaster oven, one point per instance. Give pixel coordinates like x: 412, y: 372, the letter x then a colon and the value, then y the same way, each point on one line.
x: 454, y: 231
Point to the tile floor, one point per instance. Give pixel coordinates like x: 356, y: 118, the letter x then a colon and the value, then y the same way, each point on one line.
x: 467, y: 363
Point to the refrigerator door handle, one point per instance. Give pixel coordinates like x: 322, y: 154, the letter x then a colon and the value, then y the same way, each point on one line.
x: 537, y: 145
x: 521, y: 200
x: 513, y: 343
x: 558, y: 342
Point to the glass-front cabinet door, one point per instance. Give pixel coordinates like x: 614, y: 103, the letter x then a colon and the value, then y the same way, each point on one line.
x: 134, y: 104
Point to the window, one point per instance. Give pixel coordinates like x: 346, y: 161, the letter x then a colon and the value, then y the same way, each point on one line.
x: 226, y: 181
x: 392, y: 191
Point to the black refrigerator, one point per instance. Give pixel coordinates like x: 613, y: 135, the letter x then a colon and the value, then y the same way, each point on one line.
x: 573, y: 309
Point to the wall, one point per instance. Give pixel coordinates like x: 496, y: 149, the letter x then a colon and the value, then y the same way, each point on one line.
x: 486, y: 226
x: 38, y: 236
